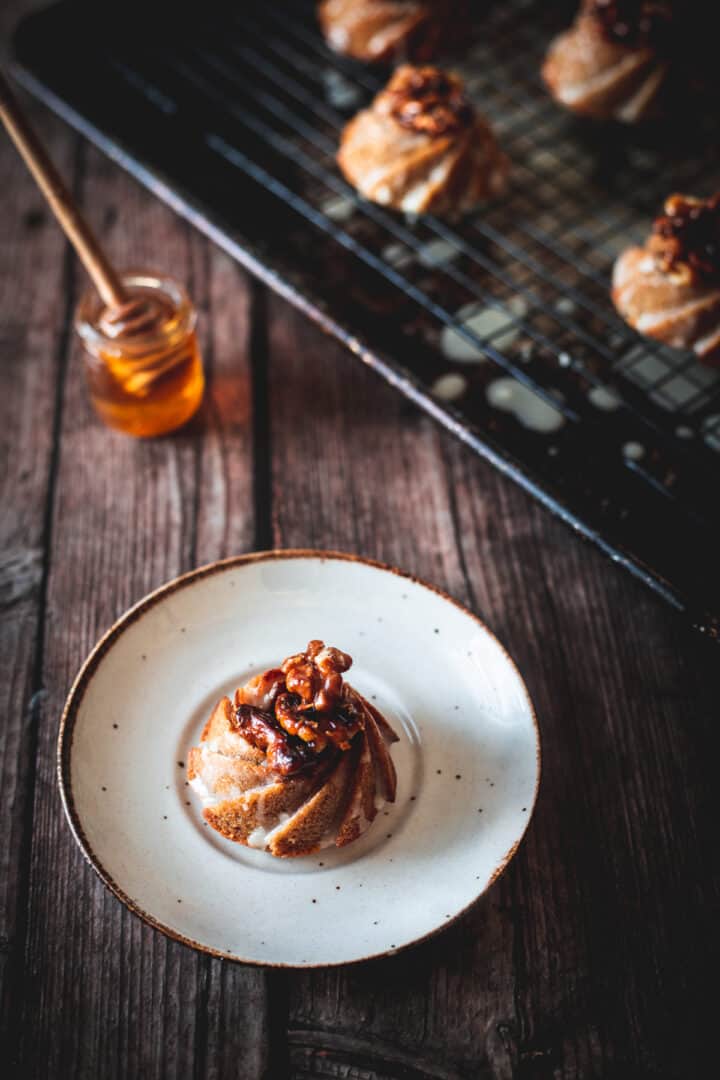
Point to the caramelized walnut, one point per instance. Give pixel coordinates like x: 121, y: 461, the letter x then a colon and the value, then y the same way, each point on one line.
x: 638, y: 24
x: 283, y: 751
x: 313, y: 708
x: 428, y: 100
x: 315, y: 676
x: 338, y: 727
x: 685, y: 240
x: 261, y: 690
x: 294, y: 712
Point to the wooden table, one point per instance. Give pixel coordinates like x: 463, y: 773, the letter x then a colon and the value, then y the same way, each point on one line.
x: 591, y: 957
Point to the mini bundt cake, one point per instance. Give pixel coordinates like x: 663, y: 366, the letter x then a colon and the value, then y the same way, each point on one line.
x: 422, y: 147
x: 298, y: 761
x: 613, y: 61
x: 379, y: 31
x: 669, y: 289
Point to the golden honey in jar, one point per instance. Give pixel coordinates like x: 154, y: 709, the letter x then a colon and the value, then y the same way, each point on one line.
x: 142, y: 361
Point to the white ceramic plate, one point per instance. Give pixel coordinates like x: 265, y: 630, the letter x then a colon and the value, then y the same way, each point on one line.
x: 468, y: 759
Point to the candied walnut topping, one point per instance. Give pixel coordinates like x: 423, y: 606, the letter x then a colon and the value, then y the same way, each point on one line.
x: 283, y: 752
x: 638, y: 24
x: 686, y: 239
x: 315, y: 676
x: 428, y: 100
x: 315, y: 706
x: 307, y: 708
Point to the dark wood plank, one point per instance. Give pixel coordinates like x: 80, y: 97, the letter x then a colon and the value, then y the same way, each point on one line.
x: 356, y: 469
x: 617, y: 881
x: 33, y: 276
x: 588, y: 958
x: 102, y: 994
x: 237, y: 1022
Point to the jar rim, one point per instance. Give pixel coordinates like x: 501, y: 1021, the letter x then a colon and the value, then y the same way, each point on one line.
x: 90, y: 306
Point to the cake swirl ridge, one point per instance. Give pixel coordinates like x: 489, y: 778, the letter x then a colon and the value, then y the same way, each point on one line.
x: 297, y: 761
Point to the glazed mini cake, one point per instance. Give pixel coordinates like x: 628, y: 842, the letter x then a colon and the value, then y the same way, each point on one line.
x: 298, y: 761
x: 379, y: 31
x: 613, y: 61
x: 422, y: 147
x: 669, y: 289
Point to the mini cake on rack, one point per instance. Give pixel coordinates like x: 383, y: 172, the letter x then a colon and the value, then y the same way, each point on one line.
x: 379, y: 31
x: 614, y: 60
x: 422, y: 147
x: 298, y: 761
x: 669, y: 289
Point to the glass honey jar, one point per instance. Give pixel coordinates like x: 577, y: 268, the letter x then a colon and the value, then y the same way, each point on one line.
x: 142, y: 361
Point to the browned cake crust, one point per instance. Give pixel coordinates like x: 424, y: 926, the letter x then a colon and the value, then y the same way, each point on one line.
x: 270, y: 795
x: 379, y: 31
x: 386, y: 775
x: 304, y: 832
x: 595, y: 69
x: 421, y: 147
x: 669, y: 289
x: 239, y: 817
x: 219, y: 729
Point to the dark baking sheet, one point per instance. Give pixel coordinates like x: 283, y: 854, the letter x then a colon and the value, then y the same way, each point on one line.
x: 232, y: 116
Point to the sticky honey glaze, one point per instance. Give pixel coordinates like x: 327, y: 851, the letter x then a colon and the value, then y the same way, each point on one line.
x: 143, y: 365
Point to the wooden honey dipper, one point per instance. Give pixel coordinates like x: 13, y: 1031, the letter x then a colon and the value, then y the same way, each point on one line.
x: 124, y: 315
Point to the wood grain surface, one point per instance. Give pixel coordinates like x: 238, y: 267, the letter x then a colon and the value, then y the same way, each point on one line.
x: 595, y: 955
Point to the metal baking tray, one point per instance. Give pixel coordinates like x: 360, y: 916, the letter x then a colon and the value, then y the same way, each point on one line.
x: 500, y: 326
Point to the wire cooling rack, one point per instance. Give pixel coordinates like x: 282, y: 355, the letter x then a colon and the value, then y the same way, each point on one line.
x: 500, y: 326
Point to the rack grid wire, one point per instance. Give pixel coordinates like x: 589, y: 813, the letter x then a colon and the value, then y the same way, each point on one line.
x: 500, y: 324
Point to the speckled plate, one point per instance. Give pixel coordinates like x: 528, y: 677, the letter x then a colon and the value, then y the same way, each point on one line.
x: 468, y: 759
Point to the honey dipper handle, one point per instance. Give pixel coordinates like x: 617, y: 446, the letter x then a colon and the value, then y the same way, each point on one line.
x: 61, y: 202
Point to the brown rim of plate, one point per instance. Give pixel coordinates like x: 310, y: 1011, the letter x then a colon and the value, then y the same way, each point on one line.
x: 88, y: 669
